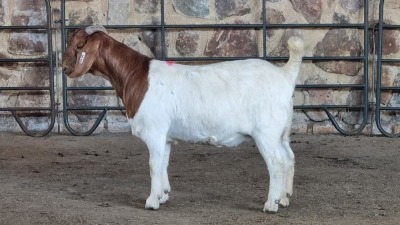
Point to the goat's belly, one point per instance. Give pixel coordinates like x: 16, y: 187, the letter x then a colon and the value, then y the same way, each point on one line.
x: 218, y: 138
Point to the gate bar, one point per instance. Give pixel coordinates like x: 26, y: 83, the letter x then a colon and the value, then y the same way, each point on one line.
x: 379, y: 87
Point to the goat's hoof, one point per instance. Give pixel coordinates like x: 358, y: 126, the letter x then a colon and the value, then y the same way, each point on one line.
x: 271, y: 207
x: 284, y: 202
x: 269, y: 212
x: 152, y: 204
x: 151, y: 207
x: 164, y: 198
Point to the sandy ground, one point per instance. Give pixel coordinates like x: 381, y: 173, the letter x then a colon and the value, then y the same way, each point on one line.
x: 104, y: 179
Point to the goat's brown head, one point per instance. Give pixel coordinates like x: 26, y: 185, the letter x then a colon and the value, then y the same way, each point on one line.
x: 81, y: 52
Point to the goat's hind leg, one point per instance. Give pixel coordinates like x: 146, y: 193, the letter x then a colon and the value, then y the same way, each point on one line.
x: 289, y: 164
x: 270, y: 149
x: 289, y: 170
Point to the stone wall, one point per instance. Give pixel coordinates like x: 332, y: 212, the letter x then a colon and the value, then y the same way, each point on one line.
x: 208, y: 43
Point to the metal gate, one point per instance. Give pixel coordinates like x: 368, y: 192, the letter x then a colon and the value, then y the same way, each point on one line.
x: 380, y: 109
x: 48, y: 89
x: 163, y: 27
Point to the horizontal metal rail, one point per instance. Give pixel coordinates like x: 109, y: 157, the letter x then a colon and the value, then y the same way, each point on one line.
x: 228, y: 26
x: 270, y: 58
x: 390, y: 60
x: 379, y: 88
x: 25, y: 88
x: 25, y: 28
x: 49, y: 89
x: 163, y: 28
x: 307, y: 86
x: 24, y: 59
x: 25, y: 109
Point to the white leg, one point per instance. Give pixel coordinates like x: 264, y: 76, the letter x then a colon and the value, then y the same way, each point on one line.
x: 165, y: 181
x: 156, y: 153
x: 289, y: 168
x: 289, y: 163
x: 272, y: 153
x: 289, y: 182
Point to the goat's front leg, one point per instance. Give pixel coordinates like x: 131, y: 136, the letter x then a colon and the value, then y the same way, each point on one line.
x: 156, y: 162
x: 165, y: 181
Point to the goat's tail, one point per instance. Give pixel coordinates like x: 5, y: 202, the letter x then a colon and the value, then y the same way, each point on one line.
x: 296, y: 49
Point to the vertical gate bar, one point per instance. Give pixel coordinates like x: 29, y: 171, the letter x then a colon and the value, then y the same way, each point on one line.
x: 51, y: 72
x: 51, y: 69
x: 378, y: 109
x: 64, y: 79
x: 379, y: 70
x: 366, y: 61
x: 163, y: 50
x: 264, y: 28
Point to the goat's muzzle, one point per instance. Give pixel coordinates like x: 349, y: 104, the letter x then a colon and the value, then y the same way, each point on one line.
x: 66, y: 69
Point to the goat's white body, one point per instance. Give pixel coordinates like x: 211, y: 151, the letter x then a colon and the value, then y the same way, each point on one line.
x: 220, y: 104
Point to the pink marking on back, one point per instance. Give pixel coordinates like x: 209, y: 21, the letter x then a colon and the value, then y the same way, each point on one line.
x: 170, y: 63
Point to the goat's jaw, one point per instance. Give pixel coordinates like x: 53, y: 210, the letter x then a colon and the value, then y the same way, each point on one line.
x: 73, y: 75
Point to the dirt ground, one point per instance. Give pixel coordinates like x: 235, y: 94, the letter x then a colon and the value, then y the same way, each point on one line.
x: 104, y: 179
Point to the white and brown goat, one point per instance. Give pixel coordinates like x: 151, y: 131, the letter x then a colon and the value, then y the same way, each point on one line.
x: 222, y: 104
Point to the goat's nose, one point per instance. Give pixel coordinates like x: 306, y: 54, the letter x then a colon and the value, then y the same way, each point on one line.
x: 65, y: 70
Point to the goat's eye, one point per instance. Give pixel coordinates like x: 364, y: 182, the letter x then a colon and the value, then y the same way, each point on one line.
x: 80, y: 45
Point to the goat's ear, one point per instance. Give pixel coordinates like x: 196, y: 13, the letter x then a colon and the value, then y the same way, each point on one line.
x: 85, y: 57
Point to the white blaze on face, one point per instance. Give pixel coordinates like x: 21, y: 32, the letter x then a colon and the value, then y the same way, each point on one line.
x: 82, y: 58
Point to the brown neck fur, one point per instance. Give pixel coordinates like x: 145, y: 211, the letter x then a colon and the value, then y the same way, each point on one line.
x: 126, y: 69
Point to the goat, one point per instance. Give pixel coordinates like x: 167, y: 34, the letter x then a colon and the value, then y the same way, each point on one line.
x: 222, y: 104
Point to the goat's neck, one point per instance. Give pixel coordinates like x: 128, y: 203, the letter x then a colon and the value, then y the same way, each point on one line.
x: 127, y: 71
